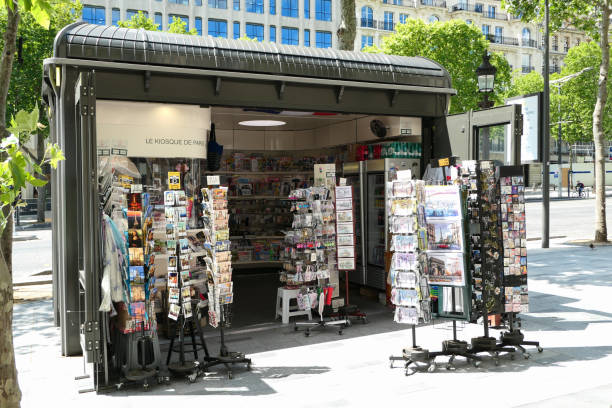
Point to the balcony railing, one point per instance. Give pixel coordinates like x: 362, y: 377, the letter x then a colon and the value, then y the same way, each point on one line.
x: 377, y: 24
x: 494, y: 15
x: 500, y: 39
x: 527, y: 69
x: 555, y: 48
x: 529, y: 43
x: 434, y: 3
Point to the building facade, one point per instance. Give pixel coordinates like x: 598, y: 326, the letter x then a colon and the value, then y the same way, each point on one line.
x: 310, y: 23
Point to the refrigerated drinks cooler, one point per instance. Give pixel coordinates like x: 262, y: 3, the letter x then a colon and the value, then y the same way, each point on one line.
x: 370, y: 207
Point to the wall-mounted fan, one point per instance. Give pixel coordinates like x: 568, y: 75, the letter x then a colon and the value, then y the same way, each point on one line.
x: 378, y: 128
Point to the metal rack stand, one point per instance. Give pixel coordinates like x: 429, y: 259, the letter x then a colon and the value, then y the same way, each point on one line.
x: 414, y: 355
x: 516, y: 339
x: 225, y: 357
x: 322, y: 323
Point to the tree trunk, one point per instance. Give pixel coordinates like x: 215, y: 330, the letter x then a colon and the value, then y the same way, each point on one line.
x: 10, y: 395
x: 601, y: 231
x: 41, y: 202
x: 347, y: 34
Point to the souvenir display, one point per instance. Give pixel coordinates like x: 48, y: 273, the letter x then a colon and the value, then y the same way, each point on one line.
x: 409, y: 287
x: 345, y: 228
x: 516, y: 298
x: 310, y: 250
x: 218, y: 262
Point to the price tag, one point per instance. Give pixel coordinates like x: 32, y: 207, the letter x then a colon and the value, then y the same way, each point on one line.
x: 174, y: 180
x: 213, y: 180
x: 444, y: 162
x: 313, y: 257
x: 136, y: 188
x: 342, y: 181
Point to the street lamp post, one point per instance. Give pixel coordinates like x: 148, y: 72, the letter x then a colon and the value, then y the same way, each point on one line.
x: 486, y: 80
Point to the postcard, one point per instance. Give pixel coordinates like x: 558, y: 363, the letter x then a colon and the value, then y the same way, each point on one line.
x: 446, y: 268
x: 134, y: 202
x: 346, y: 239
x: 134, y: 219
x: 135, y: 238
x: 442, y: 202
x: 344, y: 205
x: 344, y: 216
x: 173, y: 279
x: 344, y: 192
x: 174, y: 295
x: 346, y: 251
x: 136, y: 256
x: 169, y: 198
x: 174, y: 311
x: 186, y: 277
x: 346, y: 264
x: 187, y: 309
x: 445, y: 235
x: 345, y: 228
x: 172, y: 263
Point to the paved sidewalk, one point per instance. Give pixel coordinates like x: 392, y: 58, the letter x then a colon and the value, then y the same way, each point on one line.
x: 570, y: 315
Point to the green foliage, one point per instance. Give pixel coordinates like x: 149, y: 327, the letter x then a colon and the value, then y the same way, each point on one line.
x: 139, y: 20
x: 580, y: 94
x: 25, y: 87
x: 582, y: 14
x: 458, y: 47
x: 40, y: 10
x: 18, y: 169
x: 245, y: 38
x: 523, y: 84
x: 178, y: 26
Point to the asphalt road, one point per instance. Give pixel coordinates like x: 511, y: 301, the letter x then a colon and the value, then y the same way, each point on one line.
x: 573, y: 219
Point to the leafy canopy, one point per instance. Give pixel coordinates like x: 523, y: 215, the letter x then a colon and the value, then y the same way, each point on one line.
x: 139, y: 20
x: 18, y: 169
x: 178, y: 26
x: 40, y: 10
x: 458, y: 47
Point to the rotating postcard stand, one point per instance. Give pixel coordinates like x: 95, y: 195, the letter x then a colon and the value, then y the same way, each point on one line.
x: 219, y: 273
x: 410, y: 289
x: 184, y: 317
x: 490, y: 257
x: 512, y: 187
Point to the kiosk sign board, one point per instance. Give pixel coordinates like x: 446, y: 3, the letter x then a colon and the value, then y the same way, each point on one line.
x: 531, y: 138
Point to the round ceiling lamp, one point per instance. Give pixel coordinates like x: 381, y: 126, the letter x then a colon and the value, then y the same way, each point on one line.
x: 262, y: 123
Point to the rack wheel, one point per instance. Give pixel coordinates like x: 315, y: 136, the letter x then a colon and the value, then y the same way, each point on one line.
x: 145, y: 385
x: 540, y: 349
x: 512, y: 357
x: 496, y: 361
x: 476, y: 363
x: 192, y: 377
x: 295, y: 328
x: 248, y: 367
x: 160, y: 380
x: 409, y: 371
x: 431, y: 368
x: 450, y: 367
x: 307, y: 333
x: 340, y: 332
x: 526, y: 356
x: 230, y: 375
x: 119, y: 386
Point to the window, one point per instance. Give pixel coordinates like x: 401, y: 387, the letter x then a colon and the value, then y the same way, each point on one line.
x: 255, y: 31
x: 237, y: 5
x: 323, y: 10
x: 555, y: 42
x: 486, y: 29
x: 398, y: 2
x: 478, y: 7
x: 403, y: 18
x: 255, y: 6
x: 289, y: 36
x: 307, y: 38
x: 218, y: 4
x: 307, y: 8
x: 273, y: 7
x: 499, y: 32
x: 526, y: 60
x: 94, y: 15
x: 468, y: 21
x: 198, y: 3
x: 132, y: 13
x: 182, y: 18
x: 367, y: 17
x: 367, y: 41
x: 491, y: 11
x: 289, y: 8
x: 198, y: 25
x: 116, y: 16
x: 527, y: 35
x: 388, y: 22
x: 323, y: 39
x: 183, y: 2
x: 272, y: 33
x: 236, y: 29
x: 159, y: 21
x: 217, y: 28
x: 433, y: 18
x: 385, y: 1
x: 566, y: 45
x: 577, y: 41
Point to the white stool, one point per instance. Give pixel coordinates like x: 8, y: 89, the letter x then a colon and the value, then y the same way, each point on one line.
x: 283, y: 297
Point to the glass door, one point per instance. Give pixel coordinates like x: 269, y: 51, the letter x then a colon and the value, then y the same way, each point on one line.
x: 376, y: 219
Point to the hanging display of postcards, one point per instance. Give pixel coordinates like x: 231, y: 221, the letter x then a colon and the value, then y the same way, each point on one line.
x: 310, y: 252
x: 512, y: 191
x: 215, y: 218
x: 409, y: 288
x: 346, y: 228
x: 491, y: 269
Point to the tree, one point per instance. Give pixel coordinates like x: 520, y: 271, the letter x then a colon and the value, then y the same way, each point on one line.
x: 347, y: 32
x: 139, y: 20
x: 458, y: 47
x: 14, y: 175
x: 178, y: 26
x: 25, y: 87
x: 523, y: 84
x: 592, y: 16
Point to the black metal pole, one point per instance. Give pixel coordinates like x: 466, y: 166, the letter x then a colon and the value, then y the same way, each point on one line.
x: 560, y: 158
x: 546, y: 136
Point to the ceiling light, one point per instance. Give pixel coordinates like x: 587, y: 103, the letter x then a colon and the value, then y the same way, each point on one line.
x: 262, y: 123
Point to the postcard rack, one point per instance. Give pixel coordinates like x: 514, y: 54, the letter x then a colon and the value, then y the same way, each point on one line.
x: 215, y: 219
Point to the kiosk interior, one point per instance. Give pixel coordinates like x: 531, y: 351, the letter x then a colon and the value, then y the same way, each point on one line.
x: 139, y: 105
